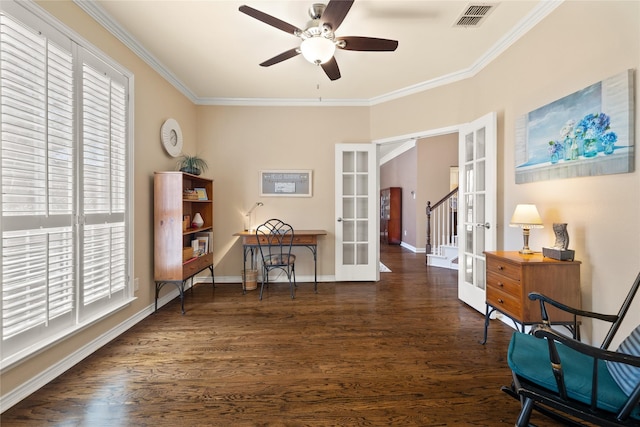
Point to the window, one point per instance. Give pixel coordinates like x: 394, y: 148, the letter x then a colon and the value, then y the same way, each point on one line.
x: 64, y: 113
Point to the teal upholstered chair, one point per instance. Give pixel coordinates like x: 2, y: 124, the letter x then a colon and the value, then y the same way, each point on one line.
x: 275, y: 239
x: 568, y: 380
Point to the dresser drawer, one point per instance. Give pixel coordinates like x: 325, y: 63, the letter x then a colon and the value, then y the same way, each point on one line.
x: 500, y: 266
x: 504, y: 284
x: 504, y: 302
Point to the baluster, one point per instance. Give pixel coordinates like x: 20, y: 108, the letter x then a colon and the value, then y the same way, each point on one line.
x: 442, y: 223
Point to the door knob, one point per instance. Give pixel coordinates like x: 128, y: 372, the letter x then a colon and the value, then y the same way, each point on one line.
x: 339, y: 219
x: 485, y: 225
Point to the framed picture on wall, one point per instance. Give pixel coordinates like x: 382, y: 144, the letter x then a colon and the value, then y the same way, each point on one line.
x: 286, y: 183
x: 587, y: 133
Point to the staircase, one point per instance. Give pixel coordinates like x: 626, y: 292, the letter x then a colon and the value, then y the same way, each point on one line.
x: 442, y: 232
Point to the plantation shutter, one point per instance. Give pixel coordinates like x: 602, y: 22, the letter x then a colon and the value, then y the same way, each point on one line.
x: 65, y: 248
x: 103, y: 176
x: 37, y: 184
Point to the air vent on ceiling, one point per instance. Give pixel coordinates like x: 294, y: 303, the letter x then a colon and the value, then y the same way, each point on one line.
x: 474, y: 14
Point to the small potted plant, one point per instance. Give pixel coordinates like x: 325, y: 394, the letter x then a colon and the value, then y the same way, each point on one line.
x: 192, y: 164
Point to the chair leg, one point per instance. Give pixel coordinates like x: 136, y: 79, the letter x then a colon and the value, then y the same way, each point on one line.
x: 265, y: 272
x: 293, y: 271
x: 525, y: 413
x: 292, y: 285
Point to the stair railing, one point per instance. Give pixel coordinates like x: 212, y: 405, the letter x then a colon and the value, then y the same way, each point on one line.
x: 442, y: 218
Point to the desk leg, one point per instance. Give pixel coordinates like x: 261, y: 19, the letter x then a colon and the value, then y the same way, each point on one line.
x: 314, y: 251
x: 244, y: 270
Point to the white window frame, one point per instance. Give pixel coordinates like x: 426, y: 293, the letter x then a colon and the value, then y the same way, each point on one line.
x: 21, y: 344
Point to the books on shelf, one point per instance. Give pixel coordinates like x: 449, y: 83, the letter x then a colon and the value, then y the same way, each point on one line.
x: 202, y: 243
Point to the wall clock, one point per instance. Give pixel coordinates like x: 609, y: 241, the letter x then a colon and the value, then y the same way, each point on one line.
x: 171, y: 137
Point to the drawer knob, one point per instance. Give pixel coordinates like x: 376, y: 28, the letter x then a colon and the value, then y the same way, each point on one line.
x: 500, y: 267
x: 501, y: 284
x: 500, y: 300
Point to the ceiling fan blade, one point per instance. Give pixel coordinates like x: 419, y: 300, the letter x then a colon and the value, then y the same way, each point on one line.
x: 270, y: 20
x: 283, y: 56
x: 331, y: 68
x: 368, y: 44
x: 335, y: 13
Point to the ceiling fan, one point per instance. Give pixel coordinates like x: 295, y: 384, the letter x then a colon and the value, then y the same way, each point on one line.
x: 319, y: 41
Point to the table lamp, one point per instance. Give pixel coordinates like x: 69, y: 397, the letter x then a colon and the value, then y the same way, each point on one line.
x: 526, y: 217
x: 249, y: 219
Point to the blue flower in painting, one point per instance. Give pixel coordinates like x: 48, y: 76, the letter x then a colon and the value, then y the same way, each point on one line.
x: 609, y: 138
x: 555, y: 147
x: 593, y: 126
x: 601, y: 123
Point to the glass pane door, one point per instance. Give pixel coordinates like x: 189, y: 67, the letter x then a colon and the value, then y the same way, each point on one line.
x: 356, y: 200
x: 478, y: 200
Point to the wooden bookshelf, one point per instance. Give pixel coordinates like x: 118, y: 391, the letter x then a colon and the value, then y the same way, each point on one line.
x: 172, y: 203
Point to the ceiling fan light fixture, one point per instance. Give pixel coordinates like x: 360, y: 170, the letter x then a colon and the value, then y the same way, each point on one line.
x: 317, y: 49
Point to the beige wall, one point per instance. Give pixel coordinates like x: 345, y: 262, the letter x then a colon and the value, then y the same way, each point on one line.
x: 435, y: 156
x: 238, y: 142
x: 579, y: 44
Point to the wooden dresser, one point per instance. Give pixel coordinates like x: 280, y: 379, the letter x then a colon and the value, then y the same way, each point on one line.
x: 511, y: 276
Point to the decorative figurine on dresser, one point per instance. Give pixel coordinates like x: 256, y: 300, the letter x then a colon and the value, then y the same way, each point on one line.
x: 560, y: 249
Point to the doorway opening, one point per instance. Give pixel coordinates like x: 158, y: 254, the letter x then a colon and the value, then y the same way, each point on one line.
x: 420, y: 170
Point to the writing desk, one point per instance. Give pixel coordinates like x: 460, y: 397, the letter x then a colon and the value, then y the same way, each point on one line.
x: 306, y: 238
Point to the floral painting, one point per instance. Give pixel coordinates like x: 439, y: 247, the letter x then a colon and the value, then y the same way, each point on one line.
x: 587, y: 133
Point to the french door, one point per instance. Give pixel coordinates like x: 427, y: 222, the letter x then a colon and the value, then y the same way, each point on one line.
x: 477, y: 207
x: 357, y: 221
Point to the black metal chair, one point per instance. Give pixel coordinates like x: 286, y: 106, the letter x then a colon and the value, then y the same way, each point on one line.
x: 568, y: 380
x: 275, y: 239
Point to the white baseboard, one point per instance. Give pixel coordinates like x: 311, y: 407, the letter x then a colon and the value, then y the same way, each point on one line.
x: 412, y: 248
x: 281, y: 278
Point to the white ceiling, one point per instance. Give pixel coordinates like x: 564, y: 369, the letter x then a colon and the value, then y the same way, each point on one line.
x: 211, y: 51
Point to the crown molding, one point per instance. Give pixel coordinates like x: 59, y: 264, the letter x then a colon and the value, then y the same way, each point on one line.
x: 538, y: 13
x: 103, y: 18
x: 285, y: 102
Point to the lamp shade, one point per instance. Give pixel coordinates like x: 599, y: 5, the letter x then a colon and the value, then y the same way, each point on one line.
x: 317, y: 49
x: 526, y: 216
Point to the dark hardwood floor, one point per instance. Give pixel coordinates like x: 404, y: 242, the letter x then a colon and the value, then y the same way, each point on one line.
x: 403, y: 351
